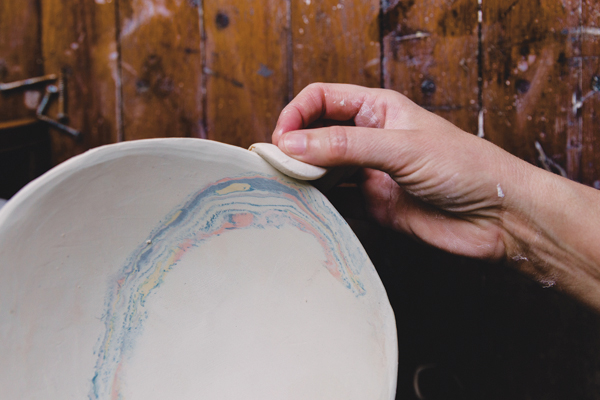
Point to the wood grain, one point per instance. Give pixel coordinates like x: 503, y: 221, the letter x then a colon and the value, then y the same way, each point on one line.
x: 161, y: 68
x: 246, y: 67
x: 20, y: 56
x: 430, y: 55
x: 79, y: 38
x: 590, y: 109
x: 531, y: 71
x: 335, y: 41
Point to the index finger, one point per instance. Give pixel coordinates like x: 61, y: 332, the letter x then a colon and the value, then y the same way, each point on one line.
x: 339, y: 102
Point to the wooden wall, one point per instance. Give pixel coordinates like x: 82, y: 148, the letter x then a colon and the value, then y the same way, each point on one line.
x: 515, y: 72
x: 512, y: 71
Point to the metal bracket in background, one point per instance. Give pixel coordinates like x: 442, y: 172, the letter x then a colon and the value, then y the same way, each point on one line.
x: 51, y: 90
x: 547, y: 163
x: 5, y: 87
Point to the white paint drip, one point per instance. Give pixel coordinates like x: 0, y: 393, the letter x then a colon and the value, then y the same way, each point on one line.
x: 480, y: 132
x: 148, y: 10
x: 417, y: 35
x: 576, y: 104
x: 307, y: 2
x: 519, y: 257
x: 32, y: 99
x: 523, y: 65
x: 479, y: 16
x: 113, y: 63
x: 586, y: 30
x: 372, y: 62
x: 500, y: 192
x: 343, y: 102
x: 127, y: 67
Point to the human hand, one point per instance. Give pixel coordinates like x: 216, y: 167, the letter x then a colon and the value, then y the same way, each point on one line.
x: 422, y: 175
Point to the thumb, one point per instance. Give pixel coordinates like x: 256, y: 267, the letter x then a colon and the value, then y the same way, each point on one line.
x: 347, y: 145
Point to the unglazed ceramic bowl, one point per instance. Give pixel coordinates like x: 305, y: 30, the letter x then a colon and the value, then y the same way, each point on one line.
x: 186, y: 269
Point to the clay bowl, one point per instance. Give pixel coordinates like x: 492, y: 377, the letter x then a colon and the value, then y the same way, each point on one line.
x: 186, y: 269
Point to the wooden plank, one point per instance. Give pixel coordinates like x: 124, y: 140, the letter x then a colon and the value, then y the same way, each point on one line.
x: 161, y: 68
x: 590, y: 109
x: 430, y: 55
x: 335, y: 41
x: 246, y: 67
x: 531, y: 72
x: 79, y: 38
x: 20, y: 56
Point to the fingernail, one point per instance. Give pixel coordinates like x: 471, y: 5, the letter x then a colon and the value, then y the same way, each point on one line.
x: 295, y: 143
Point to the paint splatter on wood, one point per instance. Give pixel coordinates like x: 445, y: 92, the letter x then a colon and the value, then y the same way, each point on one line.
x: 430, y: 50
x: 161, y: 66
x: 531, y: 71
x: 590, y: 86
x: 82, y: 53
x: 246, y: 69
x: 335, y: 41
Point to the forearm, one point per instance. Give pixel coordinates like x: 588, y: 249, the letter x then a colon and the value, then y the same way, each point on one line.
x: 553, y: 233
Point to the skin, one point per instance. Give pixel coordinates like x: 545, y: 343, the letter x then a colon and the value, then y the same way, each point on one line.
x: 423, y: 176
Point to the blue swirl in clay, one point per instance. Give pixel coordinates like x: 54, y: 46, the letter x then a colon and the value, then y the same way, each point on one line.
x: 248, y: 202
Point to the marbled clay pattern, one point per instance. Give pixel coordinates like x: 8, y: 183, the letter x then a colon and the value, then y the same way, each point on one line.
x: 246, y: 202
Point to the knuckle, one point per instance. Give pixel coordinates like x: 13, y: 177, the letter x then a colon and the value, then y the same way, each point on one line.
x: 315, y: 86
x: 310, y: 102
x: 338, y: 142
x: 317, y: 91
x: 396, y: 96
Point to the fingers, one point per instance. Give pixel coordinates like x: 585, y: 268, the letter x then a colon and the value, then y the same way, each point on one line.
x: 338, y: 102
x: 343, y: 145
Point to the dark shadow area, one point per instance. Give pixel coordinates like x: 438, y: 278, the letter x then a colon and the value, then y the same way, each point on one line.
x: 471, y: 330
x: 24, y: 155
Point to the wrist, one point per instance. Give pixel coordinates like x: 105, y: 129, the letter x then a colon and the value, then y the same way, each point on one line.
x: 551, y: 225
x: 528, y: 242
